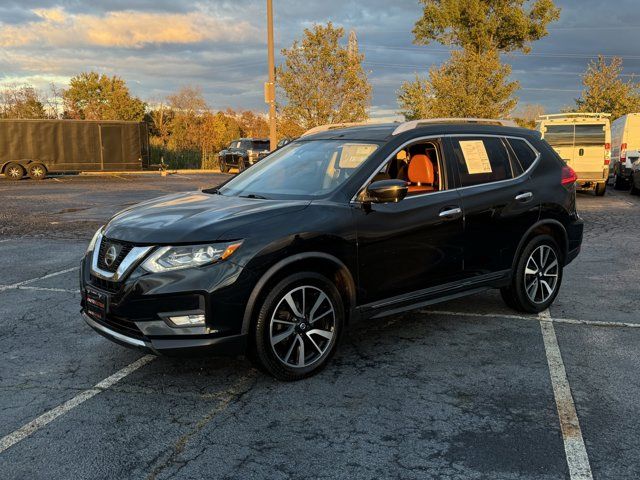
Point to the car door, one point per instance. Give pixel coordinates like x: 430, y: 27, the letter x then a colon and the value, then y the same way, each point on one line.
x: 412, y: 245
x: 498, y: 198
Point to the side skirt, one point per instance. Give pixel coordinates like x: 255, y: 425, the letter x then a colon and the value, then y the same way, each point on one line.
x: 433, y: 295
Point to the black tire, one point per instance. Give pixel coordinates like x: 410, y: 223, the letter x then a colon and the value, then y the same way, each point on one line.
x: 600, y: 190
x: 241, y: 165
x: 634, y: 190
x: 620, y: 183
x: 516, y: 295
x: 37, y: 171
x: 223, y: 167
x: 287, y: 331
x: 14, y: 171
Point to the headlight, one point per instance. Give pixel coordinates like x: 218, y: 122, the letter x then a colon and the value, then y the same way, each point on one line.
x: 92, y: 243
x: 166, y: 259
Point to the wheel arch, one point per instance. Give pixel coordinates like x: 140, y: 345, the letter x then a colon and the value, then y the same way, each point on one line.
x: 24, y: 162
x: 547, y: 226
x: 320, y: 262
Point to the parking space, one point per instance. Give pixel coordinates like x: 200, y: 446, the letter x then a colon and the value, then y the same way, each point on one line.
x: 461, y: 390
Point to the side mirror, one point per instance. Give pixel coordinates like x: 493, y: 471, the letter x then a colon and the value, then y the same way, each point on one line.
x: 386, y: 191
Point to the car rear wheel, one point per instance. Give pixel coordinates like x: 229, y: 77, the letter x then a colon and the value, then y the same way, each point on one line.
x: 14, y: 171
x: 634, y: 190
x: 537, y: 277
x: 601, y: 188
x: 298, y: 326
x: 619, y: 183
x: 37, y: 171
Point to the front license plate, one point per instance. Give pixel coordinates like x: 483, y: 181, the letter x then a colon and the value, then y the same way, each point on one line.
x: 97, y: 304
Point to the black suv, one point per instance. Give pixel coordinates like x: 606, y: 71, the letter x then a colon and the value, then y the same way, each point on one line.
x: 340, y: 225
x: 242, y: 153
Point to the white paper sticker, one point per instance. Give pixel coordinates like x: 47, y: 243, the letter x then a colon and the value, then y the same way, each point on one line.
x: 475, y: 156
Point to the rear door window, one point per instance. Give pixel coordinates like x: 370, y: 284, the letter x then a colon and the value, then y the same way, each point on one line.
x: 589, y: 135
x: 559, y: 135
x: 481, y: 160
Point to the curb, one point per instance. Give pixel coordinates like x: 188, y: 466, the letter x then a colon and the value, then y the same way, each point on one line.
x: 148, y: 172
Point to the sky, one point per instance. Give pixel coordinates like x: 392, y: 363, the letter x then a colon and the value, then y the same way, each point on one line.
x: 157, y: 46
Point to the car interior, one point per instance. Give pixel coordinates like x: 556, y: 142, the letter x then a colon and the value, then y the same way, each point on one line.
x: 418, y: 165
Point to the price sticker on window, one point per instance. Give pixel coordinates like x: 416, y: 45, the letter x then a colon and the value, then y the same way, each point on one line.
x: 475, y: 156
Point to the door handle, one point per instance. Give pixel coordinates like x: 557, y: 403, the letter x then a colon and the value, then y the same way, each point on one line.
x: 523, y: 197
x: 450, y: 212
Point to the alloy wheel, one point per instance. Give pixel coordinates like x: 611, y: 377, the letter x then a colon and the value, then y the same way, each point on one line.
x: 302, y: 327
x: 37, y: 171
x: 541, y: 274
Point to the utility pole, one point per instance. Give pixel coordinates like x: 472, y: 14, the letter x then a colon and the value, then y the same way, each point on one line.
x: 270, y: 86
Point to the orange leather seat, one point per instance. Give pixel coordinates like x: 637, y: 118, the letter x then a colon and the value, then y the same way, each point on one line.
x: 421, y: 174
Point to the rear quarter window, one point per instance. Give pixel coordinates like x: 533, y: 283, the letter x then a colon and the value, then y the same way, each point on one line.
x: 524, y: 154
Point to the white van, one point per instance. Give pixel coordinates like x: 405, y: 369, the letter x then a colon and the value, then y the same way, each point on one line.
x: 625, y: 136
x: 583, y: 140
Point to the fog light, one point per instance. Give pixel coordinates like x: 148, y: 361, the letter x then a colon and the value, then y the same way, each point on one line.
x: 188, y: 320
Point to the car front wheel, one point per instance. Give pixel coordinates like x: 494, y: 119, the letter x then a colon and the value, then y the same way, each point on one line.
x: 537, y: 277
x: 298, y: 326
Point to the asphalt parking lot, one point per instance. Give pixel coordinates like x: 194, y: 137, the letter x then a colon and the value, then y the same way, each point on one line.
x: 463, y: 390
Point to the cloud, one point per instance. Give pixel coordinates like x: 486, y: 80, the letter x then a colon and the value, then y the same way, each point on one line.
x: 124, y: 29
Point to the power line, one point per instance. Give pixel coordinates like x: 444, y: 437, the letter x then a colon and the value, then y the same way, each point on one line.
x: 517, y: 54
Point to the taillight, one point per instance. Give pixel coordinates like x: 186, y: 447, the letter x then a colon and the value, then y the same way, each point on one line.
x: 607, y: 153
x: 623, y: 152
x: 568, y: 175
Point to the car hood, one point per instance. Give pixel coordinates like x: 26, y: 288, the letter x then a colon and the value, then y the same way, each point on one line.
x: 193, y: 217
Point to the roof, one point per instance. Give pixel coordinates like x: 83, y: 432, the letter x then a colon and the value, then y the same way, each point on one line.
x: 381, y: 132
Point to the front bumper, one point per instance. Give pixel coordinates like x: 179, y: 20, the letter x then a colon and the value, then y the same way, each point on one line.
x: 232, y: 345
x: 134, y: 312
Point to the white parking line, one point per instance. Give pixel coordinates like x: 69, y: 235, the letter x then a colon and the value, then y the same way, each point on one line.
x: 571, y: 321
x: 47, y: 289
x: 574, y: 447
x: 31, y: 280
x: 48, y: 417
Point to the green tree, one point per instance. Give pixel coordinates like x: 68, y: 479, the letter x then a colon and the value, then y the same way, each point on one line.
x: 485, y: 25
x: 21, y: 102
x: 473, y: 82
x: 606, y: 92
x: 468, y: 85
x: 92, y: 96
x: 323, y: 81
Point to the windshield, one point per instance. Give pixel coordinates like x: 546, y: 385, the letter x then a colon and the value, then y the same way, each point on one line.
x: 259, y: 145
x: 301, y: 170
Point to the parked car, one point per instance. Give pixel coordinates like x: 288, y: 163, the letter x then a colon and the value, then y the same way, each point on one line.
x: 633, y: 158
x: 583, y: 141
x: 341, y: 225
x: 625, y: 137
x: 242, y: 153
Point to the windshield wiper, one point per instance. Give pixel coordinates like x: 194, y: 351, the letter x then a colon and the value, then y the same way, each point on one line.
x: 212, y: 191
x: 253, y: 195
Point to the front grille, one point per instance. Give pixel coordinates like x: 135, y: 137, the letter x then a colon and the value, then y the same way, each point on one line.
x: 121, y: 250
x: 106, y: 285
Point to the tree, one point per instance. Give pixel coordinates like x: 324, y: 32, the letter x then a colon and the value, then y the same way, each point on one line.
x: 468, y: 85
x: 474, y: 81
x: 92, y: 96
x: 485, y: 25
x: 188, y: 105
x: 528, y: 114
x: 21, y: 102
x: 323, y: 81
x: 605, y: 92
x: 159, y: 120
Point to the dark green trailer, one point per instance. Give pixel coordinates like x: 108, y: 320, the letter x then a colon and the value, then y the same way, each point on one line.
x: 37, y: 147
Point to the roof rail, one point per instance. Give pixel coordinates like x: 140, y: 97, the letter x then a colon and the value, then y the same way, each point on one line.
x: 574, y: 114
x: 406, y: 126
x: 332, y: 126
